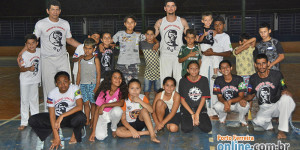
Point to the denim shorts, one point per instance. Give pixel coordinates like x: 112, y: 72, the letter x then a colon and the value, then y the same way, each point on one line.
x: 148, y: 85
x: 87, y: 92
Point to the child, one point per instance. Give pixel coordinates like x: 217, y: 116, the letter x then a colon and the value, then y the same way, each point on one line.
x: 79, y: 52
x: 270, y: 46
x: 152, y: 73
x: 194, y: 90
x: 230, y: 91
x: 136, y: 114
x: 129, y: 58
x: 89, y: 78
x: 244, y: 57
x: 65, y: 110
x: 30, y: 77
x: 188, y: 52
x: 106, y: 57
x: 166, y: 104
x: 206, y: 39
x: 110, y: 98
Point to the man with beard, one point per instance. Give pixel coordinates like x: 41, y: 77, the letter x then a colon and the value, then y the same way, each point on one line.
x: 279, y: 104
x: 171, y: 29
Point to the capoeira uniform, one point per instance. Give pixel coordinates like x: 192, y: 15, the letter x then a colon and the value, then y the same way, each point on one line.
x: 78, y: 52
x: 29, y: 82
x: 221, y: 44
x: 230, y: 91
x: 271, y: 102
x: 54, y: 55
x: 171, y: 42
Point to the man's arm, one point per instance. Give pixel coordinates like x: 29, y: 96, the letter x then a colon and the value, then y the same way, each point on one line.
x: 157, y: 26
x: 185, y: 25
x: 210, y: 52
x: 278, y: 60
x: 73, y: 42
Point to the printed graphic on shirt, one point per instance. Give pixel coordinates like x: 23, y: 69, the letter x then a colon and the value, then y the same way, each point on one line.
x: 49, y: 100
x: 105, y: 60
x: 36, y: 66
x: 55, y: 38
x: 61, y: 107
x: 264, y: 92
x: 170, y: 39
x: 228, y: 92
x: 195, y: 93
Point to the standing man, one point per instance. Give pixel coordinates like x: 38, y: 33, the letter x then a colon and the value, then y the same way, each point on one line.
x: 171, y: 29
x: 54, y: 33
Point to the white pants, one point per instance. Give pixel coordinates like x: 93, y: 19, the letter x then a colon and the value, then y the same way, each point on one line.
x: 169, y: 66
x: 75, y: 78
x: 113, y: 116
x: 283, y: 109
x: 207, y: 70
x: 214, y: 60
x: 29, y: 100
x: 50, y: 66
x: 219, y: 107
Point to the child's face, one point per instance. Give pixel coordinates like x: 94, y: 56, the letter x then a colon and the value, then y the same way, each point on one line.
x: 169, y: 86
x: 170, y: 8
x: 264, y: 33
x: 31, y: 44
x: 106, y: 39
x: 134, y: 89
x: 190, y: 39
x: 96, y: 37
x: 219, y: 26
x: 88, y: 50
x: 130, y: 24
x: 63, y: 83
x: 116, y: 79
x: 149, y: 36
x: 193, y: 70
x: 225, y: 69
x: 207, y: 20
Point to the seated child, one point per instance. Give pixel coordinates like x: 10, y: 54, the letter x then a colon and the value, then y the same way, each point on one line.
x: 65, y: 110
x: 136, y: 114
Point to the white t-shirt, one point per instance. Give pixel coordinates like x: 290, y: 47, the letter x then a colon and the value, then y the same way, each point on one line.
x: 129, y: 47
x: 222, y: 43
x: 63, y: 102
x: 133, y: 109
x: 78, y: 52
x: 52, y: 36
x: 31, y: 77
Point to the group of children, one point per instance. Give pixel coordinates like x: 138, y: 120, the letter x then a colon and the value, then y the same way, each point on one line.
x: 114, y: 95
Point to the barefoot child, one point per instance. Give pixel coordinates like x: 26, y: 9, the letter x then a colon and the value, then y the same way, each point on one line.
x: 110, y: 98
x: 136, y: 114
x: 65, y: 110
x: 30, y: 77
x: 89, y: 78
x: 166, y: 104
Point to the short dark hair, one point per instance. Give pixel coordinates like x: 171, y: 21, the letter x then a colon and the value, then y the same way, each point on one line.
x: 89, y: 41
x: 151, y: 29
x: 54, y: 3
x: 61, y: 73
x: 264, y: 25
x: 190, y: 31
x: 167, y: 1
x: 30, y: 36
x: 92, y: 32
x: 219, y: 18
x: 244, y: 36
x: 130, y: 16
x: 207, y: 13
x: 261, y: 56
x: 134, y: 80
x: 105, y: 33
x: 225, y: 61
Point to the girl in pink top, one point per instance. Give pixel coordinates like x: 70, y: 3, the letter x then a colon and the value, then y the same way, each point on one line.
x: 110, y: 98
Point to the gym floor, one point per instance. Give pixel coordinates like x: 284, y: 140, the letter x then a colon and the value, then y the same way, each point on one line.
x: 11, y: 138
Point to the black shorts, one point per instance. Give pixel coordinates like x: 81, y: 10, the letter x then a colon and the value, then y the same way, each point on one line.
x: 175, y: 120
x: 138, y: 124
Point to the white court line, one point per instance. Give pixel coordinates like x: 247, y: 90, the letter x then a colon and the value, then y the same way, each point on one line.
x: 9, y: 75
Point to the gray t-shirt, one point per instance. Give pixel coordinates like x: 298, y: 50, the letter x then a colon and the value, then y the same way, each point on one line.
x: 129, y: 47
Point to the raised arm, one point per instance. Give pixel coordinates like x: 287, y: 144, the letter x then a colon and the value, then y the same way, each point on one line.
x: 157, y: 26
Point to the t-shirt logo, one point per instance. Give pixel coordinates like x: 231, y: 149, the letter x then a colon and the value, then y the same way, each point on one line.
x: 265, y: 94
x: 134, y: 114
x: 105, y: 61
x: 35, y: 62
x: 55, y: 38
x: 228, y: 94
x: 61, y: 107
x: 195, y: 93
x: 170, y: 39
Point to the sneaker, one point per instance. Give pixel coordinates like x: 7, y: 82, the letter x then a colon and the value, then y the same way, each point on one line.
x: 214, y: 76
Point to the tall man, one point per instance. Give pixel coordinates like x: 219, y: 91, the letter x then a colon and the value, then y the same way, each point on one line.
x: 54, y: 33
x: 171, y: 29
x: 273, y: 97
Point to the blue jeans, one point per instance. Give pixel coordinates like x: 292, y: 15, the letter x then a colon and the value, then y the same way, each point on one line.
x: 148, y: 85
